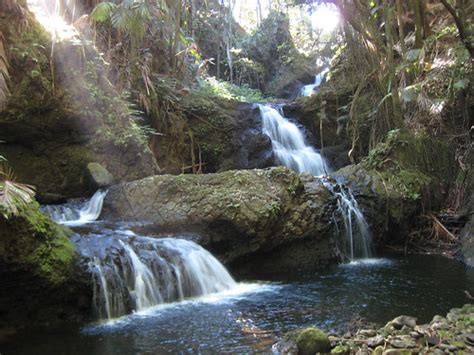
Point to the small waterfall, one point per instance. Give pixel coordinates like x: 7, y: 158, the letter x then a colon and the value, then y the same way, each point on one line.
x: 76, y: 214
x: 357, y: 238
x: 288, y: 143
x: 132, y: 273
x: 308, y: 90
x: 291, y: 151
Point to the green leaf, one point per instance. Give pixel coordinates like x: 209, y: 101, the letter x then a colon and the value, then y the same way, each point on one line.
x: 102, y: 12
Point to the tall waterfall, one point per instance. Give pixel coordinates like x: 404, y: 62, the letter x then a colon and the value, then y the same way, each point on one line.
x: 291, y: 151
x: 308, y: 90
x: 288, y: 143
x: 132, y: 273
x: 74, y: 213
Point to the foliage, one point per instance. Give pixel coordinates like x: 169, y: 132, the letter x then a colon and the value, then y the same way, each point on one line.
x: 211, y: 87
x: 14, y: 196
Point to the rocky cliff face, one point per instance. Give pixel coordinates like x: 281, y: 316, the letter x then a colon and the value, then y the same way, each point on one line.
x: 275, y: 214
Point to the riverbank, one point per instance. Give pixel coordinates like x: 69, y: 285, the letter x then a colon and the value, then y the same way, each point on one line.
x: 402, y: 335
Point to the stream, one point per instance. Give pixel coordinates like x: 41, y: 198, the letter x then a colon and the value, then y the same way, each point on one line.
x: 251, y: 315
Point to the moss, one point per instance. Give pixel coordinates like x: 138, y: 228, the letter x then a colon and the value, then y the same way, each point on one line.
x: 341, y: 349
x: 311, y: 341
x: 32, y: 241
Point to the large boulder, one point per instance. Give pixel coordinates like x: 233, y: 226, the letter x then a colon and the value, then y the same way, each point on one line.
x: 272, y: 218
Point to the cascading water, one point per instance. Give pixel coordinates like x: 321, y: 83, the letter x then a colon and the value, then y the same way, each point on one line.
x: 288, y: 143
x: 291, y: 151
x: 357, y: 237
x: 308, y: 90
x: 132, y: 273
x: 76, y: 214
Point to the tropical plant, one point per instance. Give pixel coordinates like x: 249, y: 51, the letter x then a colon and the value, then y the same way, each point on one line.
x: 14, y: 196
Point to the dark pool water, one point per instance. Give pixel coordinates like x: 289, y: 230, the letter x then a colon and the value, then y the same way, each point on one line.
x: 250, y: 318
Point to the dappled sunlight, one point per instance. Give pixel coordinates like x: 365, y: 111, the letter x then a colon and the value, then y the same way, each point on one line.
x: 325, y: 17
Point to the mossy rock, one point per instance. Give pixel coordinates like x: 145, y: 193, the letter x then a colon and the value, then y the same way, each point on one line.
x: 312, y: 341
x: 31, y: 241
x: 341, y: 349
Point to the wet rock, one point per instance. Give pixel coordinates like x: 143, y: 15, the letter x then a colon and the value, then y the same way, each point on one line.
x: 99, y: 177
x: 275, y: 218
x: 376, y: 341
x: 311, y: 341
x: 402, y: 321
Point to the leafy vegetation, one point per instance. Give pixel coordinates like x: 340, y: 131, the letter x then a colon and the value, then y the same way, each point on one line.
x: 211, y: 87
x: 14, y: 196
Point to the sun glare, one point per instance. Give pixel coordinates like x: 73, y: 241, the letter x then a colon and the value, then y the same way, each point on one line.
x: 325, y: 17
x: 47, y: 13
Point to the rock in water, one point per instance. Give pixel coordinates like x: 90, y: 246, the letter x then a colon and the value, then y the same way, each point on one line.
x: 312, y: 341
x: 99, y: 177
x: 401, y: 321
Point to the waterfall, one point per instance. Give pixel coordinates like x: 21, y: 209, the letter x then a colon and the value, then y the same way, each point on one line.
x: 291, y: 151
x: 132, y: 273
x: 308, y: 90
x: 288, y: 143
x: 76, y: 214
x: 356, y: 241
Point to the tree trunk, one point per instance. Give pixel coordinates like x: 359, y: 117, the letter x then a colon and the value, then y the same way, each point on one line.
x: 418, y: 24
x: 389, y: 30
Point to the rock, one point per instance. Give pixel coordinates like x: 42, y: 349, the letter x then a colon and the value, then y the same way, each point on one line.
x: 278, y: 216
x: 440, y: 326
x: 448, y: 347
x: 378, y: 350
x: 401, y: 321
x: 40, y: 279
x: 375, y: 341
x: 437, y: 318
x: 432, y: 340
x: 367, y: 332
x: 469, y: 338
x: 98, y: 176
x: 399, y: 352
x: 405, y: 343
x: 459, y: 344
x: 341, y: 349
x: 311, y: 341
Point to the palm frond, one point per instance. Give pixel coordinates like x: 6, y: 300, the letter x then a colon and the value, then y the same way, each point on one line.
x: 102, y: 12
x: 14, y: 196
